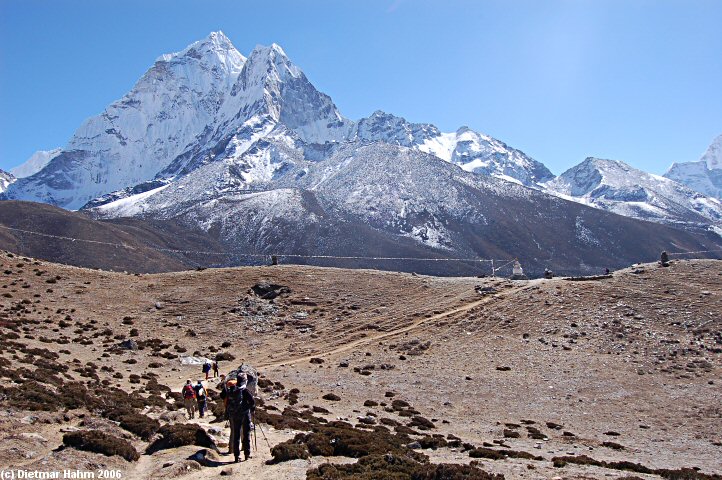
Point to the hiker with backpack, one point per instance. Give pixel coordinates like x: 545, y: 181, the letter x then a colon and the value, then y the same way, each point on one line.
x: 240, y: 406
x: 225, y: 387
x: 215, y: 369
x: 201, y: 397
x: 189, y: 398
x: 207, y: 368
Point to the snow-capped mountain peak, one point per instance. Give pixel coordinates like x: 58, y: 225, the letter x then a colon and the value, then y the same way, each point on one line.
x: 35, y: 163
x: 208, y: 103
x: 269, y: 64
x: 215, y: 44
x: 617, y: 187
x: 471, y: 150
x: 271, y: 85
x: 143, y: 132
x: 705, y: 175
x: 713, y: 156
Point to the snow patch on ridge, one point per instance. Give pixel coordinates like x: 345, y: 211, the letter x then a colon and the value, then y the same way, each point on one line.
x: 129, y: 206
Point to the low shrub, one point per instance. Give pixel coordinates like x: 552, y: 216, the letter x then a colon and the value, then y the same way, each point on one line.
x: 139, y: 424
x: 397, y: 467
x: 181, y: 434
x: 99, y: 442
x: 421, y: 423
x: 288, y: 450
x: 432, y: 442
x: 483, y: 452
x: 678, y: 474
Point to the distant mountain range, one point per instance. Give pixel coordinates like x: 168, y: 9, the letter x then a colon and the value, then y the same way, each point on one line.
x: 616, y: 187
x: 704, y: 176
x: 249, y: 152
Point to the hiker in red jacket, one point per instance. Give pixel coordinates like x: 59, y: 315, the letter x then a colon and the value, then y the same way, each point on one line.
x: 189, y: 399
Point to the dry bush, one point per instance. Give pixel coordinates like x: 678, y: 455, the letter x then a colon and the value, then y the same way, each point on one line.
x: 288, y: 450
x: 483, y: 452
x: 99, y: 442
x: 398, y: 467
x: 181, y: 434
x: 139, y: 424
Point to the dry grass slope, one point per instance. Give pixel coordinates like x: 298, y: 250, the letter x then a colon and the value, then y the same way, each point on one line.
x: 366, y: 372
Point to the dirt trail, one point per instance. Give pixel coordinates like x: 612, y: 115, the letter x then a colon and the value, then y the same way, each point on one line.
x: 414, y: 325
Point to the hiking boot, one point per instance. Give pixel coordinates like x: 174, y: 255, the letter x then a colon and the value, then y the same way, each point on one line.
x: 248, y: 457
x: 236, y: 460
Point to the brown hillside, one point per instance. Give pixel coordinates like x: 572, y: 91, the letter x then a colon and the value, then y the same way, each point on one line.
x: 96, y: 244
x: 590, y: 373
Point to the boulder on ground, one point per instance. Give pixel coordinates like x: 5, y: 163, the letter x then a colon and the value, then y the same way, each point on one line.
x: 269, y: 291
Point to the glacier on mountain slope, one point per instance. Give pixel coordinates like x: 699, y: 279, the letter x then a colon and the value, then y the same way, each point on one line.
x: 705, y: 175
x: 615, y: 186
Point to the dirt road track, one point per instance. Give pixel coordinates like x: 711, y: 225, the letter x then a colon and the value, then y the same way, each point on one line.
x: 414, y: 325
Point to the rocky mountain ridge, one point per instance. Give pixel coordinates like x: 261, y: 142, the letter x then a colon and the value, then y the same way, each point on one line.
x: 617, y: 187
x: 250, y: 152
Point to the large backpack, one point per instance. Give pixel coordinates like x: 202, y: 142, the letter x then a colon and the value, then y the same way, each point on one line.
x: 188, y: 392
x: 251, y: 375
x: 200, y: 392
x: 235, y: 401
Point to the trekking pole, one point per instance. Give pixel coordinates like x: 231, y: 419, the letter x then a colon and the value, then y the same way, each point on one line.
x: 262, y: 433
x: 255, y: 436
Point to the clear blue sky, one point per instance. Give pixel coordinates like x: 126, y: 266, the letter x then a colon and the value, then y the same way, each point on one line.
x: 634, y: 80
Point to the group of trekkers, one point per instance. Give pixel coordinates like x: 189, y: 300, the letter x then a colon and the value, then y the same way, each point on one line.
x: 194, y: 396
x: 238, y: 402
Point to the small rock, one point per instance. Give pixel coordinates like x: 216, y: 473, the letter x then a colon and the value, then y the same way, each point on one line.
x: 367, y: 420
x: 414, y: 445
x: 129, y: 345
x: 34, y: 436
